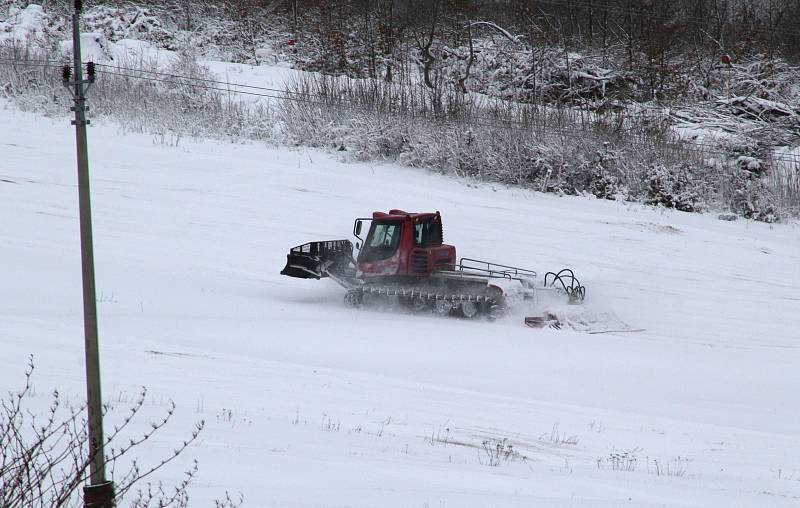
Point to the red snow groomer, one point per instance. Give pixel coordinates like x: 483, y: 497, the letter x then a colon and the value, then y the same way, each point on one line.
x: 404, y: 258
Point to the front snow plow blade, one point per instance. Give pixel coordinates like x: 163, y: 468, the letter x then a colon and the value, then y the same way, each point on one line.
x: 316, y: 260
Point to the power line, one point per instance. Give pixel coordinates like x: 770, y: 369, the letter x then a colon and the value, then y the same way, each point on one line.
x: 33, y: 63
x: 185, y: 80
x: 56, y: 63
x: 207, y: 80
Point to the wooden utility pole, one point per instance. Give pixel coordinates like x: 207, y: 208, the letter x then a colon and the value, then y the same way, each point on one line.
x: 100, y: 492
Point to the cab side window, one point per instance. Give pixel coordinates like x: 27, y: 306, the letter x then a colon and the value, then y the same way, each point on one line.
x: 418, y: 234
x: 427, y: 234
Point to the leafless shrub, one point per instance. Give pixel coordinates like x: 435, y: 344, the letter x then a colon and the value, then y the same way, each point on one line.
x: 328, y: 425
x: 625, y: 460
x: 382, y: 426
x: 44, y: 459
x: 559, y: 438
x: 439, y: 436
x: 496, y: 452
x: 228, y: 501
x: 676, y: 466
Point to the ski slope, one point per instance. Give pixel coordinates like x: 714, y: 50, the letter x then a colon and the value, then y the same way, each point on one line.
x: 310, y: 404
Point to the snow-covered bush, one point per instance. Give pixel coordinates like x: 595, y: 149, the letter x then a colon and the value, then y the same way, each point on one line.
x: 540, y: 157
x: 193, y: 92
x: 747, y: 195
x: 126, y: 21
x: 382, y: 140
x: 592, y: 172
x: 603, y: 184
x: 547, y: 74
x: 28, y: 25
x: 674, y: 187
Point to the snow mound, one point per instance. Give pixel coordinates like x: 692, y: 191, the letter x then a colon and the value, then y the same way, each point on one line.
x: 24, y: 26
x: 139, y: 52
x: 94, y: 47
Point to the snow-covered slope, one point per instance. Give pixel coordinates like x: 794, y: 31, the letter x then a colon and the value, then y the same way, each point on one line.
x: 309, y: 404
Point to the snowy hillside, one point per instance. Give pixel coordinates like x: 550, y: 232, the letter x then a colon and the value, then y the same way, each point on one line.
x: 308, y: 403
x: 514, y: 97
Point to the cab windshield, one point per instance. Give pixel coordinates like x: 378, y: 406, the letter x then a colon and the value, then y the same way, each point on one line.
x: 382, y: 241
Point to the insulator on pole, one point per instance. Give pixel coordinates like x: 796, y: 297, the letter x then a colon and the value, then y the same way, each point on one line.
x: 91, y: 72
x: 66, y: 73
x: 78, y: 5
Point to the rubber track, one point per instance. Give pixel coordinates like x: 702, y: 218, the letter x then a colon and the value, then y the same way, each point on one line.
x: 423, y: 293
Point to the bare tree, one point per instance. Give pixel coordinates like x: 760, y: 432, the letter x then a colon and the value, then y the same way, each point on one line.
x: 424, y: 38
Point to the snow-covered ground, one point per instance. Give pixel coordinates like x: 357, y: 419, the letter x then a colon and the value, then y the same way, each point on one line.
x: 308, y: 403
